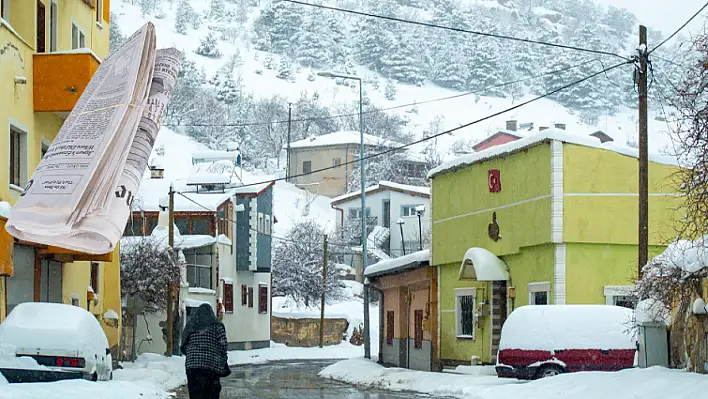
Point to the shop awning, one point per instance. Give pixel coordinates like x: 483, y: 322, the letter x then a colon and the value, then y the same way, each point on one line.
x: 482, y: 265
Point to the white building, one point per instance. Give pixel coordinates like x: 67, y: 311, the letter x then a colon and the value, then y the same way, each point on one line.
x: 398, y: 219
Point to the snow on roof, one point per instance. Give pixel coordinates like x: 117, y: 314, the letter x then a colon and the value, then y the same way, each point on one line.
x: 208, y: 178
x: 214, y: 155
x: 383, y: 186
x: 193, y: 303
x: 341, y: 138
x: 223, y: 239
x: 53, y: 326
x: 398, y: 264
x: 650, y: 311
x: 5, y: 209
x: 251, y: 189
x: 84, y: 50
x: 111, y: 315
x: 689, y: 256
x: 540, y: 137
x: 556, y: 327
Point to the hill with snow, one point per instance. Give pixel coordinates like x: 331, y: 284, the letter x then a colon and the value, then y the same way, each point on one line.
x: 246, y: 62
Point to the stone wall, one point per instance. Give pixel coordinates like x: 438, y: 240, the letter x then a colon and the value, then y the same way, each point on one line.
x: 306, y: 332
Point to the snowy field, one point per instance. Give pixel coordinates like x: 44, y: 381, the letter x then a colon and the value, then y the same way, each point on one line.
x: 653, y: 383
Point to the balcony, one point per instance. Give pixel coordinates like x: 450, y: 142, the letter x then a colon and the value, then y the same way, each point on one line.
x: 60, y: 78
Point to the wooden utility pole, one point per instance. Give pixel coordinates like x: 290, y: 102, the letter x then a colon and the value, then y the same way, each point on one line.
x: 170, y: 292
x: 324, y: 290
x: 287, y: 156
x: 643, y: 153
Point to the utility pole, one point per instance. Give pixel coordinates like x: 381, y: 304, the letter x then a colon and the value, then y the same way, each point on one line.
x: 643, y: 153
x: 324, y: 290
x: 364, y: 220
x: 171, y: 243
x: 287, y: 156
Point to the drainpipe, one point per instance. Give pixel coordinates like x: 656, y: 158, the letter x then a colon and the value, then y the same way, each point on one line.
x: 367, y: 284
x: 341, y: 218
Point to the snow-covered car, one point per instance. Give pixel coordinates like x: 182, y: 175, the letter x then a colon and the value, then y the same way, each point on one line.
x: 65, y: 341
x: 547, y: 340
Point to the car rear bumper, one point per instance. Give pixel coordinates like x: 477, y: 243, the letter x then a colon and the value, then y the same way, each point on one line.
x: 23, y: 375
x: 521, y: 373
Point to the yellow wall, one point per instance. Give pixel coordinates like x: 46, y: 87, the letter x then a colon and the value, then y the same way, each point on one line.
x: 609, y: 214
x: 532, y: 265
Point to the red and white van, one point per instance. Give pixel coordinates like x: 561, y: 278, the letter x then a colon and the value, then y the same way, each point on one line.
x: 547, y: 340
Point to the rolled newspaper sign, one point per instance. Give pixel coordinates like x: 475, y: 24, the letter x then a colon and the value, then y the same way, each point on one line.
x: 80, y: 195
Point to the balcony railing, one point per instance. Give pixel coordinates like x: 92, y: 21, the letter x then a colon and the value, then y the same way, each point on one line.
x: 60, y: 78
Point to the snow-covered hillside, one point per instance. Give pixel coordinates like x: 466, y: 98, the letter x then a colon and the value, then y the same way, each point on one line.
x: 424, y: 118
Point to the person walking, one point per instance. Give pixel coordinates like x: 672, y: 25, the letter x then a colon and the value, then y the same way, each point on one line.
x: 204, y: 343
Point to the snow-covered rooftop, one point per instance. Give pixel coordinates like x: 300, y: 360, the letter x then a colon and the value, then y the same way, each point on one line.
x: 340, y: 138
x: 386, y: 185
x: 214, y: 155
x: 540, y: 137
x: 251, y: 189
x: 208, y: 178
x: 402, y: 263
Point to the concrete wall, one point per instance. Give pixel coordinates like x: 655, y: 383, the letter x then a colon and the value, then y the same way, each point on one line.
x: 306, y: 332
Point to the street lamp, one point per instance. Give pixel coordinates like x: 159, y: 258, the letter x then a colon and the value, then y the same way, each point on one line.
x: 419, y: 211
x: 364, y: 255
x: 400, y: 224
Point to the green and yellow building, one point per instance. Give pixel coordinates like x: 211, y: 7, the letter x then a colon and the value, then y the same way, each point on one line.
x: 49, y: 50
x: 548, y: 219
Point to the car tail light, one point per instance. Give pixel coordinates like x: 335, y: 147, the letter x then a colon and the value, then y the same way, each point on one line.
x: 74, y: 362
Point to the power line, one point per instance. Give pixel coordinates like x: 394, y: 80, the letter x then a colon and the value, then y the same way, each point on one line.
x: 677, y: 30
x: 450, y: 131
x: 478, y: 33
x: 246, y: 124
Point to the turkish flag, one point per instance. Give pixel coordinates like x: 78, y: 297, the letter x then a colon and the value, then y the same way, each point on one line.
x: 494, y: 180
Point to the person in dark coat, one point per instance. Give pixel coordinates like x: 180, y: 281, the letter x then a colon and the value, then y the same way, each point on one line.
x: 204, y: 343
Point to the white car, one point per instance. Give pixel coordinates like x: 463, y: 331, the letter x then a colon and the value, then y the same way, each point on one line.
x: 65, y: 341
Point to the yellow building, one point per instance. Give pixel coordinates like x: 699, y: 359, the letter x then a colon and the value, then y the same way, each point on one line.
x: 49, y: 49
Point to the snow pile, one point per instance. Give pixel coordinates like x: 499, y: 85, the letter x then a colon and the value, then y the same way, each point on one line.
x: 154, y: 370
x: 8, y: 359
x: 651, y: 383
x: 111, y: 315
x: 277, y: 352
x: 699, y: 306
x: 540, y: 137
x: 392, y: 265
x: 553, y: 327
x: 689, y: 256
x: 652, y: 311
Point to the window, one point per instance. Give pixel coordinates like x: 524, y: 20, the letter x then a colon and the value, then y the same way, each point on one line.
x: 41, y: 27
x: 50, y: 282
x: 188, y: 225
x: 199, y: 276
x: 337, y: 162
x: 539, y: 293
x: 94, y: 277
x: 250, y: 297
x: 133, y: 227
x: 465, y: 312
x: 261, y: 223
x: 307, y: 167
x: 78, y: 38
x: 18, y: 157
x: 53, y: 26
x: 228, y: 297
x: 418, y: 328
x: 244, y: 295
x: 268, y: 225
x: 223, y: 215
x: 262, y: 299
x: 355, y: 213
x: 409, y: 210
x: 99, y: 12
x: 44, y: 149
x: 4, y: 9
x: 390, y: 324
x: 620, y: 295
x: 151, y: 224
x: 182, y: 226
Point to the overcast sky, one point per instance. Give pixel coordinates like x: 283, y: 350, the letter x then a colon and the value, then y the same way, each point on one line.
x: 664, y: 15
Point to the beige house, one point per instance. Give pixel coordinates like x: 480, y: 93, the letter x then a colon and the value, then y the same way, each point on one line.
x: 334, y: 150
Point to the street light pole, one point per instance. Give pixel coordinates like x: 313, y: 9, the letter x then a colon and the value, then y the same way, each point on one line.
x: 364, y: 252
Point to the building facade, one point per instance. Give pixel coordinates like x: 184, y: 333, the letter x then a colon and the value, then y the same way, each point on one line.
x: 548, y: 219
x: 49, y: 50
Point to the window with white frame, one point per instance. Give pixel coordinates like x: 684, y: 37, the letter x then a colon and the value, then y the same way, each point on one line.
x: 18, y: 157
x: 409, y: 210
x: 267, y: 225
x: 620, y: 295
x: 539, y: 293
x: 465, y: 312
x: 99, y: 12
x: 78, y: 37
x: 53, y: 26
x: 261, y: 223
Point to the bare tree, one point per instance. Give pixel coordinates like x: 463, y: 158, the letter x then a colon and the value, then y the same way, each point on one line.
x: 147, y: 267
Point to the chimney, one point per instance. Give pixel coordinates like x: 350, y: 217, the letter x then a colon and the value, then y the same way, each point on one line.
x: 511, y: 125
x: 560, y: 126
x: 542, y: 128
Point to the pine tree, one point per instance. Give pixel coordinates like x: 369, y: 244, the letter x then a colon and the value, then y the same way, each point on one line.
x: 315, y: 46
x: 278, y: 27
x: 453, y: 72
x: 284, y: 69
x: 336, y: 32
x: 116, y: 38
x: 402, y: 65
x: 217, y: 10
x: 147, y: 6
x: 209, y: 46
x: 185, y: 15
x: 390, y: 90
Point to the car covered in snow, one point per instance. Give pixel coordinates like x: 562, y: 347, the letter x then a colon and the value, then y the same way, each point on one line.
x: 547, y: 340
x: 52, y: 341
